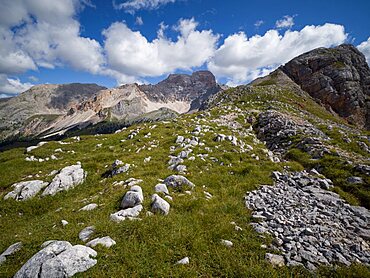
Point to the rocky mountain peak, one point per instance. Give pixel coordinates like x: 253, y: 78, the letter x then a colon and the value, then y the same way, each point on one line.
x: 337, y: 77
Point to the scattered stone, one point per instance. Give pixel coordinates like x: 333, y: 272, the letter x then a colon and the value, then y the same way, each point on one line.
x: 132, y: 198
x: 89, y: 207
x: 106, y: 241
x: 129, y: 213
x: 31, y: 148
x: 275, y: 260
x: 227, y: 243
x: 355, y: 180
x: 160, y: 205
x: 58, y: 259
x: 184, y: 261
x: 25, y: 190
x: 161, y: 188
x: 86, y: 233
x: 64, y: 222
x: 178, y: 182
x: 10, y: 251
x: 67, y: 178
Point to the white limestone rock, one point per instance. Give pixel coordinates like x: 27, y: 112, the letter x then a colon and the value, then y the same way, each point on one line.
x: 106, y: 241
x: 160, y: 205
x: 132, y: 198
x: 25, y: 190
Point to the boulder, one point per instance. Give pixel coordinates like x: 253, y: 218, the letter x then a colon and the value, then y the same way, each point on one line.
x: 89, y: 207
x: 275, y: 260
x: 132, y: 198
x: 105, y: 241
x: 58, y: 259
x: 160, y: 205
x: 161, y: 188
x: 178, y: 182
x: 10, y: 251
x: 67, y: 178
x: 128, y: 213
x: 86, y: 233
x: 25, y: 190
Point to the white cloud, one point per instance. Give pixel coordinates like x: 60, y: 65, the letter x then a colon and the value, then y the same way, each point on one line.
x: 132, y: 55
x: 241, y: 59
x: 364, y: 47
x: 132, y: 6
x: 286, y: 22
x: 12, y: 86
x: 139, y: 21
x: 258, y: 23
x: 46, y: 35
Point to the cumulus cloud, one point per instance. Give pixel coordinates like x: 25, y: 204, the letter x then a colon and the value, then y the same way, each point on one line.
x: 132, y: 55
x: 258, y: 23
x: 12, y: 86
x: 286, y: 22
x: 241, y: 59
x: 364, y: 47
x: 139, y: 21
x: 132, y: 6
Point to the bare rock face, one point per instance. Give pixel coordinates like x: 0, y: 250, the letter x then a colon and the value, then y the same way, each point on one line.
x: 337, y: 77
x: 58, y: 259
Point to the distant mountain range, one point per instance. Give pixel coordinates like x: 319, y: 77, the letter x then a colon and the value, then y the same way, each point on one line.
x: 338, y: 78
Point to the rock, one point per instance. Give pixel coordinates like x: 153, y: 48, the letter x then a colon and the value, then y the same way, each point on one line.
x: 355, y: 180
x: 120, y: 170
x: 126, y: 214
x: 275, y: 260
x: 10, y: 251
x: 227, y: 243
x: 160, y: 205
x: 105, y: 241
x: 338, y: 78
x: 184, y: 261
x: 64, y: 222
x: 58, y: 259
x: 181, y: 169
x: 67, y: 178
x: 86, y: 233
x: 89, y: 207
x: 132, y: 198
x: 178, y: 182
x: 161, y: 188
x: 179, y: 139
x: 25, y: 190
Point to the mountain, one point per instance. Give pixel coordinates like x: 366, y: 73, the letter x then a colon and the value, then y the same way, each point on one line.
x: 339, y: 78
x: 48, y: 110
x: 264, y: 180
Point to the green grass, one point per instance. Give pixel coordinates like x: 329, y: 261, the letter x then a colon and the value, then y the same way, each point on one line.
x: 151, y: 247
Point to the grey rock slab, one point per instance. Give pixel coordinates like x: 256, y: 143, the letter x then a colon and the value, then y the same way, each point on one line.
x: 132, y: 198
x: 106, y: 241
x: 10, y: 251
x: 275, y: 260
x: 67, y: 178
x: 159, y: 205
x: 89, y: 207
x: 126, y: 213
x: 178, y: 182
x: 86, y: 233
x: 161, y: 188
x: 25, y: 190
x: 58, y: 259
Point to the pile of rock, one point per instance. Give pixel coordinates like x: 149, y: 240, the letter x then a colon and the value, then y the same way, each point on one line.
x: 310, y: 224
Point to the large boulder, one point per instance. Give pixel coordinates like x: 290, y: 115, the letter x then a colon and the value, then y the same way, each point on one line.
x: 178, y: 182
x: 67, y: 178
x: 160, y: 205
x: 25, y: 190
x: 58, y: 259
x: 133, y: 197
x: 337, y: 77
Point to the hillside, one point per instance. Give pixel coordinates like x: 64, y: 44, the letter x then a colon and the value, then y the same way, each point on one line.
x: 273, y: 187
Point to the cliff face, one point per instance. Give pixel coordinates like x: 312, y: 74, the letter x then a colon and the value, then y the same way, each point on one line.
x: 337, y: 77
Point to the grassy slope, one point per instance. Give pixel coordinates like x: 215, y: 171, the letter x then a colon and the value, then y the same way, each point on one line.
x: 152, y: 246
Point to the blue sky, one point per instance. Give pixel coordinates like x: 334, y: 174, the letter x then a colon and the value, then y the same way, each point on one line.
x: 115, y: 42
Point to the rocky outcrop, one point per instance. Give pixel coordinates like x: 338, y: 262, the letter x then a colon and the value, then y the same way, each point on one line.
x: 25, y: 190
x: 58, y: 259
x: 67, y: 178
x: 310, y: 225
x: 282, y: 132
x: 337, y: 77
